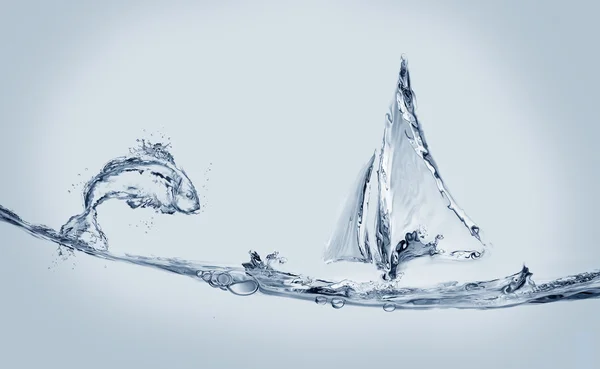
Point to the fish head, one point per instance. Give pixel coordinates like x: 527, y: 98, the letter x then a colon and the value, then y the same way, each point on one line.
x: 185, y: 196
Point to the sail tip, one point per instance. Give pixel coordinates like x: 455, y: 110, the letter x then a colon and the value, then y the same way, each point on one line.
x: 403, y: 63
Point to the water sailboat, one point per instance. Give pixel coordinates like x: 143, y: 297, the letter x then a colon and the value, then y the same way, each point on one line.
x: 400, y: 208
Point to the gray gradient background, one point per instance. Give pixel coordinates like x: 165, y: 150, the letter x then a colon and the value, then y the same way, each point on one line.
x: 287, y: 101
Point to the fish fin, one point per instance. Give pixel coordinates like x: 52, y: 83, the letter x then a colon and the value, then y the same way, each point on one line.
x: 166, y: 209
x: 156, y: 150
x: 85, y: 228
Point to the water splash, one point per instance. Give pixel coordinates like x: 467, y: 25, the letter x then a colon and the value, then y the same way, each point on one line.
x: 411, y: 199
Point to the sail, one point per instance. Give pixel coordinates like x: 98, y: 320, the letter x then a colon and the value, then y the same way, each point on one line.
x: 349, y: 241
x: 416, y: 210
x: 411, y: 210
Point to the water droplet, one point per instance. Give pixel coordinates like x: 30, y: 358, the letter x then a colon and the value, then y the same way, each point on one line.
x: 245, y: 288
x: 389, y: 307
x: 321, y: 300
x: 337, y: 303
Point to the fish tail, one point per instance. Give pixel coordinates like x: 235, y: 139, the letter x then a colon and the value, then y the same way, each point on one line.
x: 84, y: 227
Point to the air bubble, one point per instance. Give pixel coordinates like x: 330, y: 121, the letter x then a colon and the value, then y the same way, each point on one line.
x: 473, y: 287
x: 321, y: 300
x: 245, y: 288
x: 223, y: 279
x: 337, y: 303
x: 389, y: 307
